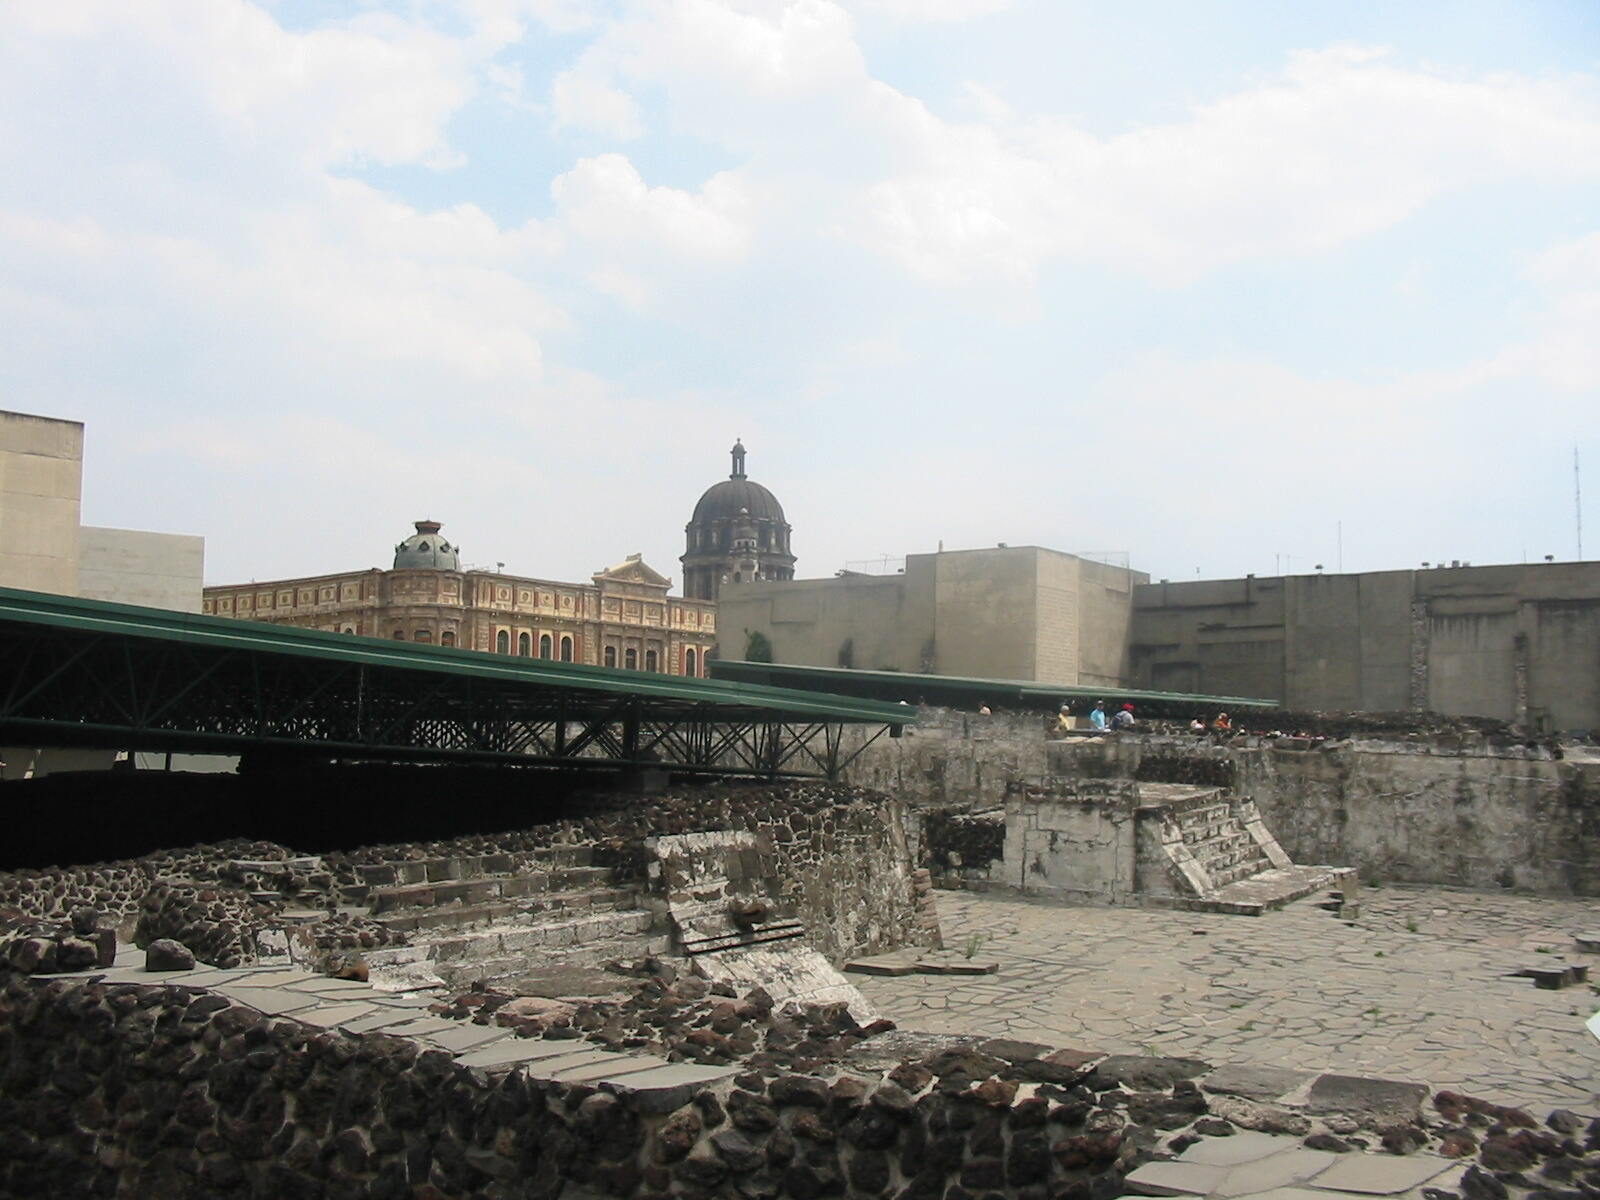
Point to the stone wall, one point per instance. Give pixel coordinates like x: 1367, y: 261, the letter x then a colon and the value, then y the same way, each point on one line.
x: 175, y: 1092
x: 844, y: 866
x: 954, y: 760
x: 1457, y: 809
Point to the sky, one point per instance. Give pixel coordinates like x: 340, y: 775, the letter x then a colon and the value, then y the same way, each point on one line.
x: 1217, y: 288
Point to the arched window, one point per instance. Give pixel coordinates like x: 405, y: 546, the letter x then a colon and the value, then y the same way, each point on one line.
x: 422, y: 635
x: 447, y: 638
x: 650, y: 660
x: 611, y: 656
x: 630, y: 659
x: 502, y: 642
x: 544, y: 645
x: 689, y: 663
x: 524, y: 645
x: 347, y: 629
x: 566, y: 649
x: 399, y: 635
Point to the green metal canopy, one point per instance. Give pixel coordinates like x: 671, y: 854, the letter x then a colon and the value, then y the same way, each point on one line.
x: 89, y: 672
x: 957, y: 690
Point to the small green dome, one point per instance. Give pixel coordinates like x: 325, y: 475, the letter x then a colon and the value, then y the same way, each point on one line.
x: 425, y: 548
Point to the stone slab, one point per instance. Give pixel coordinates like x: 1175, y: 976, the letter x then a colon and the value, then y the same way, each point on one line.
x: 626, y: 1064
x: 272, y: 1001
x: 330, y: 1015
x: 547, y: 1068
x: 279, y: 978
x: 665, y: 1088
x: 514, y: 1050
x: 1357, y: 1096
x: 321, y: 986
x: 1381, y: 1174
x: 957, y: 966
x: 1275, y: 1171
x: 880, y: 966
x: 420, y: 1027
x: 1588, y: 943
x: 1256, y: 1083
x: 1243, y: 1147
x: 466, y: 1036
x: 379, y: 1022
x: 1176, y: 1179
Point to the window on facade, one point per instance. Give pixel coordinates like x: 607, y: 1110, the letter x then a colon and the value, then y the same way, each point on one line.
x: 422, y: 635
x: 689, y: 663
x: 544, y: 645
x: 347, y: 629
x: 399, y: 635
x: 524, y: 645
x: 447, y: 638
x: 611, y: 656
x: 630, y: 659
x: 566, y: 649
x: 650, y: 661
x: 502, y: 642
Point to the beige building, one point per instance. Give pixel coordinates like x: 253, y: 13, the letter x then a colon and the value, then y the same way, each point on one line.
x: 622, y: 618
x: 1020, y: 612
x: 1517, y: 641
x: 43, y: 546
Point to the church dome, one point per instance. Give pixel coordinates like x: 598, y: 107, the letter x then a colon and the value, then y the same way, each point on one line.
x: 425, y: 548
x: 723, y: 501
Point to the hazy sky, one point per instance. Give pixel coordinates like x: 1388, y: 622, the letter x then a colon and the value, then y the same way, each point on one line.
x: 1193, y: 281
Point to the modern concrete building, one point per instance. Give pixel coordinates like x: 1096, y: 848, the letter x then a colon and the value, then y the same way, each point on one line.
x: 1518, y: 642
x: 1013, y: 612
x: 43, y: 546
x: 41, y: 482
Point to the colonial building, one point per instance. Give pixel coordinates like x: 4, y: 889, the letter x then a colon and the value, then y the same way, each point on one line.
x: 622, y: 618
x: 737, y: 535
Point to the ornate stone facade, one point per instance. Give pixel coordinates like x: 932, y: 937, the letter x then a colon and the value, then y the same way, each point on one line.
x: 737, y: 535
x: 622, y: 618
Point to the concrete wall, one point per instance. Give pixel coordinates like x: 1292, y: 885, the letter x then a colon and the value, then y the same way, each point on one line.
x: 1019, y: 612
x: 1518, y: 642
x: 130, y: 566
x: 41, y: 479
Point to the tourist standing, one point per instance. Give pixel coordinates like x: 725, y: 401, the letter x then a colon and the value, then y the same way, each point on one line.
x: 1097, y: 716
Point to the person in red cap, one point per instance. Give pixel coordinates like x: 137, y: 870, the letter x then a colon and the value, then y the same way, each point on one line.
x: 1124, y: 718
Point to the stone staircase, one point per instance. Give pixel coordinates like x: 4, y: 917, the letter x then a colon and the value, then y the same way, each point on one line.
x: 496, y: 917
x: 1207, y: 850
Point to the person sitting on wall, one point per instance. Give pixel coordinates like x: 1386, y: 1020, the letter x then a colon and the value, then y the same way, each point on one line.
x: 1222, y: 724
x: 1064, y: 718
x: 1196, y: 725
x: 983, y: 710
x: 1124, y: 718
x: 1097, y: 716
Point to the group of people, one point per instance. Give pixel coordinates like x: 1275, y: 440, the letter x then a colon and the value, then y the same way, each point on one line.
x: 1123, y: 719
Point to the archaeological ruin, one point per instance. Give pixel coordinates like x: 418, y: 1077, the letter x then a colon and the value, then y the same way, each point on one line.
x: 992, y: 960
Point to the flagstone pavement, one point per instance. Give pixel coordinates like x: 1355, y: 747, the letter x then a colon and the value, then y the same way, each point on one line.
x: 1417, y: 988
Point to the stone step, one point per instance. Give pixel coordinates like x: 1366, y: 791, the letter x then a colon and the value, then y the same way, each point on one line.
x: 513, y: 938
x: 1267, y: 890
x: 1208, y: 814
x: 390, y: 898
x: 632, y: 946
x: 466, y: 916
x: 436, y: 870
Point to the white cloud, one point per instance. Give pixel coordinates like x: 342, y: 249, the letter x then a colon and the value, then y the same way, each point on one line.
x: 633, y: 230
x: 914, y: 11
x: 581, y: 100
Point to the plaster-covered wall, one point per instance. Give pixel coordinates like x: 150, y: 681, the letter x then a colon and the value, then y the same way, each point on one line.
x: 41, y: 479
x: 131, y: 566
x: 1519, y: 642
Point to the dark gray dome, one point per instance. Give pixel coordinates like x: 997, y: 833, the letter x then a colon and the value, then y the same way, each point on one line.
x: 425, y: 548
x: 722, y: 502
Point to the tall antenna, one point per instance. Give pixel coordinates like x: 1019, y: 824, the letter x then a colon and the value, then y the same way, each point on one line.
x: 1577, y: 499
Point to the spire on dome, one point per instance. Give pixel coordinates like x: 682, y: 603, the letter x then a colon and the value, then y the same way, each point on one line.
x: 738, y: 460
